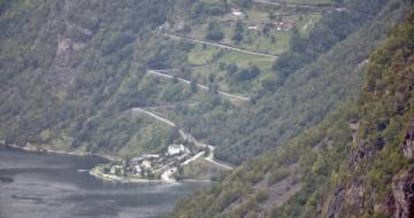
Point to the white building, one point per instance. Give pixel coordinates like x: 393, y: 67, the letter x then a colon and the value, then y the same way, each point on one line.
x: 253, y: 27
x: 137, y: 169
x: 146, y: 164
x: 175, y: 149
x: 237, y: 13
x: 115, y: 168
x: 112, y: 170
x: 151, y: 156
x: 340, y: 9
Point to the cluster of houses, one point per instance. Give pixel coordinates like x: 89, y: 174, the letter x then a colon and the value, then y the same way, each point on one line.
x: 283, y: 25
x: 278, y: 25
x: 146, y: 166
x: 235, y: 15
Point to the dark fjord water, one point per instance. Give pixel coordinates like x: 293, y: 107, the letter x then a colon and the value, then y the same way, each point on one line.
x: 49, y: 185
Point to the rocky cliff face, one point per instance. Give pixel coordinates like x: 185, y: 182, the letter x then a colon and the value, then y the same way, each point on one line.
x: 408, y: 145
x: 355, y: 198
x: 379, y: 180
x: 403, y: 194
x: 403, y: 182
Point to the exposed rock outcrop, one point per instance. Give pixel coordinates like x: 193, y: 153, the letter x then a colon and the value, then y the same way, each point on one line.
x: 349, y: 198
x: 335, y: 204
x: 378, y: 174
x: 403, y: 193
x: 408, y: 145
x: 403, y: 183
x: 354, y: 196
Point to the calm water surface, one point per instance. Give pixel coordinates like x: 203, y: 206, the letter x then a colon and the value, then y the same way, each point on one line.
x: 50, y: 185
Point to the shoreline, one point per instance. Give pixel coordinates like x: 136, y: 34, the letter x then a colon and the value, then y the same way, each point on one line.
x: 41, y: 150
x: 93, y: 172
x: 113, y: 178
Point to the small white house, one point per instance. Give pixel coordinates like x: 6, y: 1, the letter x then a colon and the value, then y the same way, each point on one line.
x: 253, y: 27
x: 340, y: 9
x: 175, y: 149
x: 237, y: 13
x: 115, y: 168
x: 138, y: 169
x: 112, y: 170
x: 146, y: 164
x: 151, y: 156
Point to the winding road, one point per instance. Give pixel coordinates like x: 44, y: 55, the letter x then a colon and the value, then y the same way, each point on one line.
x: 220, y: 45
x: 203, y: 87
x: 210, y: 159
x: 189, y: 138
x: 173, y: 105
x: 170, y: 123
x: 195, y: 157
x: 325, y: 7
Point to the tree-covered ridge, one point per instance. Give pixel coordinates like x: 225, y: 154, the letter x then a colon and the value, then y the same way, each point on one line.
x: 259, y: 187
x: 66, y: 66
x: 381, y: 155
x: 316, y: 161
x: 73, y: 70
x: 238, y: 139
x: 90, y: 68
x: 282, y: 113
x: 332, y: 28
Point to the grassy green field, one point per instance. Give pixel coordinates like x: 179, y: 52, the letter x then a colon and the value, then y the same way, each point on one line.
x: 202, y: 54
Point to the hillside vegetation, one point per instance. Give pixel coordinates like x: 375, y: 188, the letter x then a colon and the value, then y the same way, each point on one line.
x: 380, y: 164
x: 281, y: 107
x: 361, y: 152
x: 70, y: 69
x: 266, y: 87
x: 73, y: 70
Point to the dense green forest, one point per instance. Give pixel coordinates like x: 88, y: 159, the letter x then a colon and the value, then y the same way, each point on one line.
x: 71, y: 77
x: 274, y: 86
x: 277, y: 115
x: 358, y: 152
x: 70, y: 69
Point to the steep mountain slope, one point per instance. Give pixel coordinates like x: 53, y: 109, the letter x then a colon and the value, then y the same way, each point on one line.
x: 66, y: 66
x: 377, y: 177
x: 284, y: 107
x: 293, y: 181
x: 74, y: 74
x: 72, y: 69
